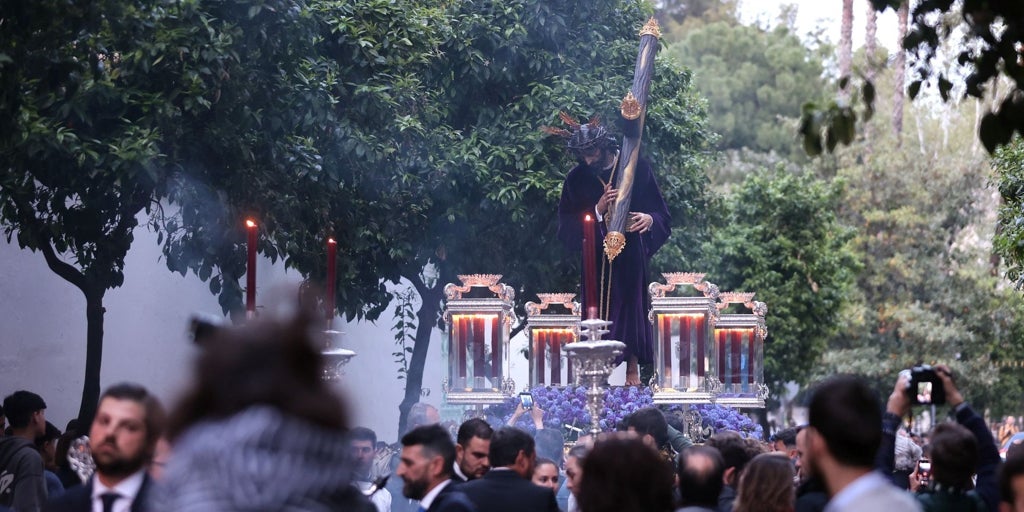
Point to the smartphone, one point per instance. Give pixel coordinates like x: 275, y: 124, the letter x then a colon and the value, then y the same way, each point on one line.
x: 527, y: 400
x: 924, y: 471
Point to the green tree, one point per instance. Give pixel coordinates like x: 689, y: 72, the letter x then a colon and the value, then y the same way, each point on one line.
x: 753, y: 78
x: 781, y: 238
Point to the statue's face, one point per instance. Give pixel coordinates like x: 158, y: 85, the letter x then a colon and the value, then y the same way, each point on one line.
x: 591, y: 156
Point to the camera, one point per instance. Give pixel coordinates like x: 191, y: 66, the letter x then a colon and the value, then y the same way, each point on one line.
x: 926, y: 386
x: 527, y: 400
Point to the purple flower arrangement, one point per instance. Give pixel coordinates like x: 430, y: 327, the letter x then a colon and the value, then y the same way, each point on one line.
x: 565, y: 408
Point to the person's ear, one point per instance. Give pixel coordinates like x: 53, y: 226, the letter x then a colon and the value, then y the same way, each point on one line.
x: 459, y: 452
x: 727, y: 477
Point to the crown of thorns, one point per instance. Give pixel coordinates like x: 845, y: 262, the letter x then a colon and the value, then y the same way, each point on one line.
x: 579, y: 136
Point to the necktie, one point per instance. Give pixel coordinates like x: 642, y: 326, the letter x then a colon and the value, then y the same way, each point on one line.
x: 108, y: 499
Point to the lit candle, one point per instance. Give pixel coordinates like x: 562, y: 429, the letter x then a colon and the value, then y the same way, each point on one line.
x: 250, y: 272
x: 332, y: 258
x: 590, y: 266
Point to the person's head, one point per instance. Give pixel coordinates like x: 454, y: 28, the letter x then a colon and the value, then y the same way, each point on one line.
x: 589, y: 142
x: 268, y: 362
x: 514, y: 449
x: 650, y: 424
x: 47, y: 446
x: 624, y: 474
x: 26, y: 412
x: 954, y: 455
x: 361, y: 441
x: 128, y: 422
x: 1010, y: 420
x: 472, y: 447
x: 428, y: 455
x: 574, y: 467
x: 1011, y: 485
x: 545, y: 474
x: 801, y: 446
x: 766, y: 485
x: 700, y: 470
x: 735, y: 452
x: 845, y: 427
x: 785, y: 441
x: 421, y: 414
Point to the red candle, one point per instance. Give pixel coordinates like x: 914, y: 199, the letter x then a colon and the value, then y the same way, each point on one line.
x: 539, y: 354
x: 495, y: 375
x: 332, y: 259
x: 250, y: 272
x: 685, y: 338
x: 702, y: 340
x: 590, y: 266
x: 666, y: 349
x: 556, y: 357
x: 737, y: 355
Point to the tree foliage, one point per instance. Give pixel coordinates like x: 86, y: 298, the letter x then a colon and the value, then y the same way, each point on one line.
x: 990, y: 35
x: 781, y: 238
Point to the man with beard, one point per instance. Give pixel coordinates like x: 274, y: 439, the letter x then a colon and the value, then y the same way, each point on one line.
x: 588, y: 189
x: 843, y: 437
x: 472, y: 444
x: 124, y: 433
x: 362, y: 443
x: 426, y: 463
x: 508, y: 486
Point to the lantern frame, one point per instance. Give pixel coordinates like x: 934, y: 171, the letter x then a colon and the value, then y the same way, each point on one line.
x: 750, y: 391
x: 548, y: 328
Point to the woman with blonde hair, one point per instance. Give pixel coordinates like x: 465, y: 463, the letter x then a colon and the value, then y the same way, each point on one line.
x: 766, y: 485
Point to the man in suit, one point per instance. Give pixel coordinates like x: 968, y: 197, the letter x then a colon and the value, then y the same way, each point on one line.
x: 428, y: 456
x: 843, y: 437
x: 507, y: 486
x: 473, y: 443
x: 122, y: 438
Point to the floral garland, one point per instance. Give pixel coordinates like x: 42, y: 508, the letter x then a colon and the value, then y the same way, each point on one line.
x: 565, y: 408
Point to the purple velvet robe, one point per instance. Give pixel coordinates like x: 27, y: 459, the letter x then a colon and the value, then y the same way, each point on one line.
x: 629, y: 301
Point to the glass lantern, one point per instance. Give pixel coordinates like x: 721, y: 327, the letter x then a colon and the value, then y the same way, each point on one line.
x: 479, y: 318
x: 739, y: 339
x: 550, y: 326
x: 684, y: 315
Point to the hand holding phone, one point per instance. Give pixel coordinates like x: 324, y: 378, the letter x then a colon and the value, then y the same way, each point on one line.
x: 526, y: 399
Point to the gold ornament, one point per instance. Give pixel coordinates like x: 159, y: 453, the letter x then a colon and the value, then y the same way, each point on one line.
x: 614, y: 242
x: 651, y: 28
x: 630, y: 107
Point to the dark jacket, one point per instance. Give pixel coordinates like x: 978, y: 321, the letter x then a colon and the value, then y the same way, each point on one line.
x: 726, y: 499
x: 451, y: 499
x: 936, y: 499
x: 811, y: 496
x: 22, y: 486
x: 79, y: 498
x: 504, y: 490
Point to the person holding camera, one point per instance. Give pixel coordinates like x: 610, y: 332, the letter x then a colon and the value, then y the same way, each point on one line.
x: 958, y: 450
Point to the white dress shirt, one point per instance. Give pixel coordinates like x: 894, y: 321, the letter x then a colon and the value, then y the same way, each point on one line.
x: 127, y: 488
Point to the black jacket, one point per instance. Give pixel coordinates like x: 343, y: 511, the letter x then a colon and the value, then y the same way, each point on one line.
x: 504, y: 490
x: 452, y: 499
x: 79, y: 498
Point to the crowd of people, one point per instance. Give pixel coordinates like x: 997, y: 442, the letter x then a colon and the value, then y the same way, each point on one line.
x: 259, y: 430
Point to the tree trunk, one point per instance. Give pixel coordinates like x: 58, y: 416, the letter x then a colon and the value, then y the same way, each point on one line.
x: 94, y: 311
x: 430, y: 308
x: 846, y: 47
x: 870, y: 47
x: 900, y: 68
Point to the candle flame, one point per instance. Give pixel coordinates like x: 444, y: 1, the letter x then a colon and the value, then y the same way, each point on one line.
x: 331, y: 241
x: 249, y: 223
x: 587, y: 218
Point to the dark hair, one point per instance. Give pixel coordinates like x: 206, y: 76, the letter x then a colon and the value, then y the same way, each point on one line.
x: 155, y: 416
x: 622, y: 474
x: 20, y: 406
x: 767, y: 485
x: 474, y: 427
x: 734, y: 449
x: 506, y: 443
x: 649, y: 420
x: 363, y: 434
x: 1011, y: 469
x: 786, y: 437
x: 550, y: 444
x: 265, y: 362
x: 434, y: 440
x: 700, y: 486
x: 954, y: 453
x: 52, y: 432
x: 848, y: 416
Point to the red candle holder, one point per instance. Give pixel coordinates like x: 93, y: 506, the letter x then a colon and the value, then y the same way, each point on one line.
x: 739, y: 339
x: 684, y: 315
x: 478, y: 315
x: 551, y: 325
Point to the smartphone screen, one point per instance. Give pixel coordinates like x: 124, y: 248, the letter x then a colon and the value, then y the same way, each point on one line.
x: 527, y: 400
x: 924, y: 392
